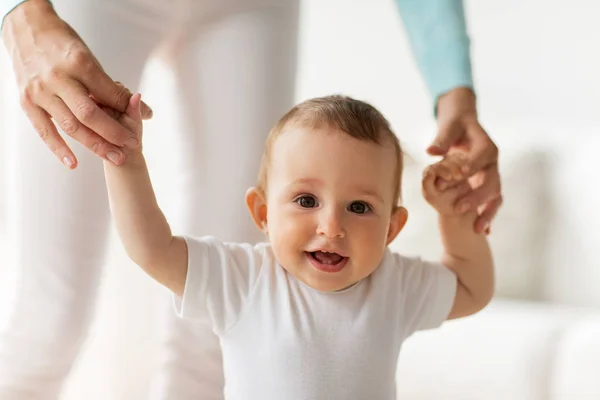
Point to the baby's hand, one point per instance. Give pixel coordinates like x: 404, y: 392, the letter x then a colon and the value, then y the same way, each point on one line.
x: 444, y: 182
x: 130, y: 119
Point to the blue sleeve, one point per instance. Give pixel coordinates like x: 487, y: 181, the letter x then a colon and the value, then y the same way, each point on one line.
x: 437, y: 33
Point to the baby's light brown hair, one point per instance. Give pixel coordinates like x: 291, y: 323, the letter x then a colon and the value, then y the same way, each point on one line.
x: 356, y: 118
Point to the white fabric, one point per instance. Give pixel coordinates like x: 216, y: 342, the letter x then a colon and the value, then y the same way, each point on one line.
x: 506, y: 351
x: 576, y: 361
x: 235, y: 68
x: 572, y: 268
x: 283, y: 339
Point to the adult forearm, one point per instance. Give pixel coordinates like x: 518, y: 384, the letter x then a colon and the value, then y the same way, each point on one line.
x: 457, y: 102
x: 437, y: 33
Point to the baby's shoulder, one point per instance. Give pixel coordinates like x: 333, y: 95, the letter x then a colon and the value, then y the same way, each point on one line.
x: 394, y: 263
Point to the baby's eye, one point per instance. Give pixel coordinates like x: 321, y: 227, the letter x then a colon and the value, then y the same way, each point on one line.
x: 358, y: 207
x: 307, y: 201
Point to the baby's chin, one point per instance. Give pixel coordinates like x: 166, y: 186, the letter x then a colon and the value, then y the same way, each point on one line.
x: 321, y: 283
x: 328, y: 287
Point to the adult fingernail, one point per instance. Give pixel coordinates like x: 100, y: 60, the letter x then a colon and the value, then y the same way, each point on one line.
x: 113, y: 157
x: 132, y: 143
x: 464, y: 207
x: 68, y: 162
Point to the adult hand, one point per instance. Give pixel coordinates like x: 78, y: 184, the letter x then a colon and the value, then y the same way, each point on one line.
x: 459, y: 129
x: 59, y: 78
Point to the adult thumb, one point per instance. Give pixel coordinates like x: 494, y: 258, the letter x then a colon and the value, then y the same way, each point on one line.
x: 446, y: 137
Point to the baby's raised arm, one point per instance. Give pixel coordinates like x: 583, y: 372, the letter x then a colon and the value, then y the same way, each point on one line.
x: 465, y: 252
x: 142, y: 227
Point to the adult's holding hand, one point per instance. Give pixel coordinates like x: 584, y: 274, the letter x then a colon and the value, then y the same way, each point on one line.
x: 459, y: 128
x: 59, y: 78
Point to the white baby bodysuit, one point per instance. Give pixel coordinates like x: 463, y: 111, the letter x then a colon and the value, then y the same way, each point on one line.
x: 282, y: 339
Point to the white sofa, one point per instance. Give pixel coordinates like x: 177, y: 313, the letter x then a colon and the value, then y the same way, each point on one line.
x: 539, y: 339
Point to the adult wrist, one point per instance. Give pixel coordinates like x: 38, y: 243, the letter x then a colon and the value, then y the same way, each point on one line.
x: 458, y: 101
x: 26, y: 13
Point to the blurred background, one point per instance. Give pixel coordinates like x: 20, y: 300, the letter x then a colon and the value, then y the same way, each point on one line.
x: 537, y: 74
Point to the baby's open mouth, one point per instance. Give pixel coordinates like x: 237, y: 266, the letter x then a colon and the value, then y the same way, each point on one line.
x: 326, y: 261
x: 326, y: 257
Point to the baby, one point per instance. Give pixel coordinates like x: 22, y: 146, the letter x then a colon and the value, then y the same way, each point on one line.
x: 322, y: 309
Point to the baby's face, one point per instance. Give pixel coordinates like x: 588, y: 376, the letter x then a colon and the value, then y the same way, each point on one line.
x: 329, y: 205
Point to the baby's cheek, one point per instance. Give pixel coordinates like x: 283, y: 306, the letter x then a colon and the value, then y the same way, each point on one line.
x: 290, y: 231
x: 371, y: 234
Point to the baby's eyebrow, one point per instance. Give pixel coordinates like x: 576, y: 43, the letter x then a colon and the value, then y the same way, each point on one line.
x: 371, y: 193
x: 307, y: 181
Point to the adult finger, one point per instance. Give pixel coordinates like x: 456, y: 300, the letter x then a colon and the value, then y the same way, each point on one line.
x: 145, y: 110
x: 104, y: 89
x: 488, y: 189
x: 482, y: 151
x: 131, y: 119
x: 77, y: 99
x: 72, y: 127
x: 43, y: 125
x: 490, y: 210
x: 114, y: 114
x: 447, y: 136
x: 111, y: 93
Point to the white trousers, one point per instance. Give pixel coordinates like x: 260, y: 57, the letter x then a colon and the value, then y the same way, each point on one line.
x: 235, y: 66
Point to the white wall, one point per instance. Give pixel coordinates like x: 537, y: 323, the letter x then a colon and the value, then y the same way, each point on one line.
x: 533, y: 60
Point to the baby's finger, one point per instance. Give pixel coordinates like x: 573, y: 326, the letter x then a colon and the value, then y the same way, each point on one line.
x: 457, y: 162
x: 443, y: 175
x: 133, y: 108
x: 429, y: 178
x: 453, y: 169
x: 145, y: 109
x: 441, y: 183
x: 124, y: 119
x: 444, y: 170
x: 455, y: 192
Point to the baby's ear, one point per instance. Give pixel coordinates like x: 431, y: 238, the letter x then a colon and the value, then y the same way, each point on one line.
x: 397, y: 222
x: 257, y: 206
